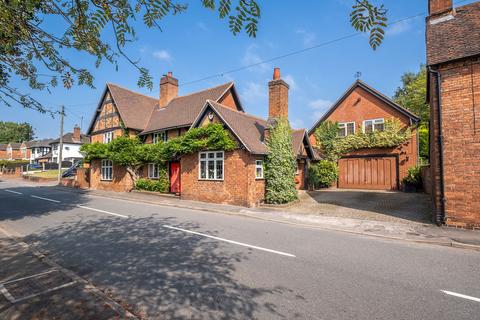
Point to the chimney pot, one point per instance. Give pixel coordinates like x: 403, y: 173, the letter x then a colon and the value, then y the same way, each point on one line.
x: 276, y: 73
x: 170, y: 74
x: 439, y: 7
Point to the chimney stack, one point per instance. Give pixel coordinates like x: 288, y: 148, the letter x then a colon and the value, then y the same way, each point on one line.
x: 439, y: 7
x: 277, y: 97
x: 168, y: 89
x: 76, y: 133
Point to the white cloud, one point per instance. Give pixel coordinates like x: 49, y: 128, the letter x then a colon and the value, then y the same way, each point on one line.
x: 162, y: 55
x: 297, y: 123
x: 253, y: 92
x: 399, y: 27
x: 251, y: 57
x: 291, y: 81
x: 308, y: 38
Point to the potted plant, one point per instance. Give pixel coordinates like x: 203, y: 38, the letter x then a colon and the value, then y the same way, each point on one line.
x: 413, y: 181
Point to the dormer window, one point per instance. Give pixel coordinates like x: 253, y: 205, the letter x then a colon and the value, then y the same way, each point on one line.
x: 346, y: 128
x: 373, y: 125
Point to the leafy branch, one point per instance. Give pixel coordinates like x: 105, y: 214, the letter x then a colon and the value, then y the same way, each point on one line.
x: 366, y: 17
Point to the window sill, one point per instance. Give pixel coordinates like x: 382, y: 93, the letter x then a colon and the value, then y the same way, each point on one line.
x: 217, y: 180
x: 259, y: 178
x: 106, y: 180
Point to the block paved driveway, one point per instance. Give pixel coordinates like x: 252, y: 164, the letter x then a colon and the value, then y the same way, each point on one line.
x: 172, y: 263
x: 366, y: 204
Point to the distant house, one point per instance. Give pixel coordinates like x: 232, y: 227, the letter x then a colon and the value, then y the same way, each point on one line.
x: 363, y: 109
x: 453, y: 59
x: 39, y: 149
x: 234, y: 177
x: 72, y: 142
x: 3, y: 151
x: 14, y: 151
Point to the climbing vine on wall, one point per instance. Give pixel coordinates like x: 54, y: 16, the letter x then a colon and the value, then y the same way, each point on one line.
x: 332, y: 147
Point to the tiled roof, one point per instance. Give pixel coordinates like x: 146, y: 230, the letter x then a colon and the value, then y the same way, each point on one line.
x: 248, y: 128
x: 389, y: 102
x: 134, y: 108
x: 15, y: 145
x: 297, y: 139
x: 3, y: 146
x: 455, y: 36
x: 182, y: 111
x: 39, y: 143
x: 68, y: 138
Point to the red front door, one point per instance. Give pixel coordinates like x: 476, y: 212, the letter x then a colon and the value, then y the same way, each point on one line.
x: 175, y: 177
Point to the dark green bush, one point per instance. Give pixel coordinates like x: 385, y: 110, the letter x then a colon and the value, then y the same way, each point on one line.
x: 158, y: 185
x: 322, y: 174
x: 414, y: 177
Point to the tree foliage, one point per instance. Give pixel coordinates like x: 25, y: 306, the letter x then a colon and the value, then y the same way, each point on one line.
x: 16, y: 132
x: 34, y: 52
x: 412, y: 95
x: 393, y: 135
x: 280, y: 164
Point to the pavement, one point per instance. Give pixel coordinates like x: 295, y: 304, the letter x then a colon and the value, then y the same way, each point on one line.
x: 165, y: 261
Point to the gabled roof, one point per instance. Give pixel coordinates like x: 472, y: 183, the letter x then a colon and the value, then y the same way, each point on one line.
x: 39, y: 143
x: 134, y: 108
x: 454, y: 36
x: 68, y: 138
x: 360, y: 84
x: 182, y: 111
x: 299, y: 138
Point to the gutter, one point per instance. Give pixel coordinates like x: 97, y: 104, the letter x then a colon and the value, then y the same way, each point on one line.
x: 440, y: 215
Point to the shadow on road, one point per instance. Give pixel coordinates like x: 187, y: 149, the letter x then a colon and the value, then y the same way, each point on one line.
x: 163, y: 273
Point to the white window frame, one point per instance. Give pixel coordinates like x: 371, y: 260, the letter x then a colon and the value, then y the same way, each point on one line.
x: 215, y: 160
x: 108, y: 137
x: 106, y: 170
x: 345, y: 127
x: 159, y: 136
x: 374, y: 122
x: 259, y: 165
x: 153, y: 171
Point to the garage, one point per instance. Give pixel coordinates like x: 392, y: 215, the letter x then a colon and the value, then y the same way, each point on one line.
x: 368, y: 172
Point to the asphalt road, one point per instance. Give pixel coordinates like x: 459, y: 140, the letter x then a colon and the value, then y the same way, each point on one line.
x: 173, y: 263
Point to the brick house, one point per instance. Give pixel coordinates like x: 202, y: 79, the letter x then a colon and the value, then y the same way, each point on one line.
x: 363, y: 108
x: 453, y: 59
x: 234, y: 177
x: 15, y: 151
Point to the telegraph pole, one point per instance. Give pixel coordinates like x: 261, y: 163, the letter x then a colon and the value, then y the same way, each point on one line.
x: 60, y: 147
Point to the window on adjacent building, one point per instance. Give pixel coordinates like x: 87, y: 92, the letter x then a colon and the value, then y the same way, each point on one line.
x: 55, y: 147
x: 373, y: 125
x: 107, y: 170
x: 346, y: 128
x: 159, y: 136
x: 153, y: 171
x: 211, y: 165
x: 259, y: 169
x: 107, y: 137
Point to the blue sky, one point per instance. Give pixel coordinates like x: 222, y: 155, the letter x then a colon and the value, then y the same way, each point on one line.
x: 197, y: 44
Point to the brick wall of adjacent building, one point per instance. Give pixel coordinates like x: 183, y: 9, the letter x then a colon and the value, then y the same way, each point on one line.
x: 460, y: 111
x: 360, y: 105
x: 239, y: 186
x: 300, y: 176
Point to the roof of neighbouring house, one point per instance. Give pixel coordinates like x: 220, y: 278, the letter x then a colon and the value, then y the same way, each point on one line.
x: 360, y: 84
x: 182, y: 111
x: 68, y: 138
x: 454, y: 36
x: 15, y: 145
x: 39, y: 143
x: 3, y: 146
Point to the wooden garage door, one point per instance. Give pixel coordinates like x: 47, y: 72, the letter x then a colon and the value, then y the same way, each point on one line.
x: 378, y: 173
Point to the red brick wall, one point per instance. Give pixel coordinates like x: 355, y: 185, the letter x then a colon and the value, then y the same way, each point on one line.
x: 239, y: 186
x: 228, y: 101
x: 460, y: 93
x: 361, y: 105
x: 121, y: 179
x: 3, y: 154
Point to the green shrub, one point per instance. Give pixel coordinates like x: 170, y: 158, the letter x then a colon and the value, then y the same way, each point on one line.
x: 423, y: 141
x: 414, y: 177
x: 158, y: 185
x: 322, y: 174
x: 280, y: 164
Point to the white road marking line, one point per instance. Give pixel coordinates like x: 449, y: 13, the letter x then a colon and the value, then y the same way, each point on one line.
x: 461, y: 295
x: 231, y: 241
x: 47, y: 199
x: 11, y: 191
x: 28, y: 277
x: 103, y: 211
